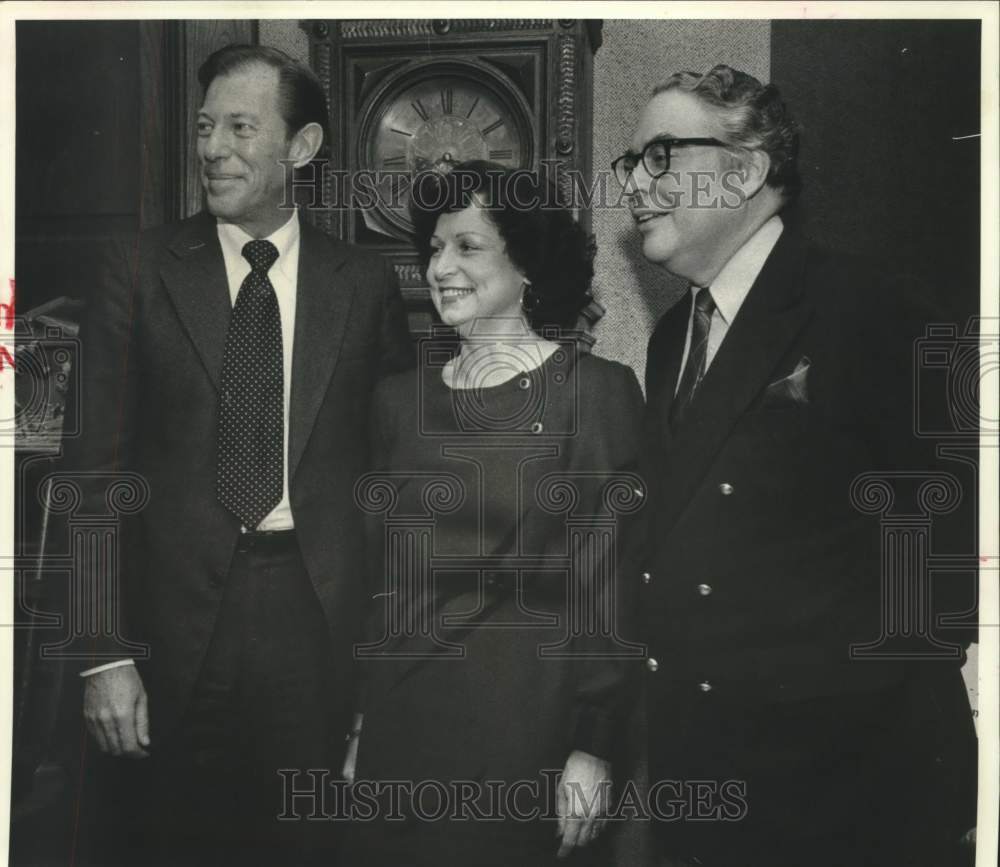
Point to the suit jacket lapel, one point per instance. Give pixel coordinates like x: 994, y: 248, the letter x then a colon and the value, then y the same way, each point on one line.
x: 321, y: 313
x: 674, y: 335
x: 196, y: 282
x: 773, y: 313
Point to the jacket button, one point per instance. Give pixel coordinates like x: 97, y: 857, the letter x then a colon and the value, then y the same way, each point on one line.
x: 524, y: 383
x: 537, y: 427
x: 646, y: 577
x: 705, y: 589
x: 726, y: 489
x: 652, y: 664
x: 705, y: 686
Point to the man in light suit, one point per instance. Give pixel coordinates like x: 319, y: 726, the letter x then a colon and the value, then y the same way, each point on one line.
x: 781, y: 376
x: 229, y: 360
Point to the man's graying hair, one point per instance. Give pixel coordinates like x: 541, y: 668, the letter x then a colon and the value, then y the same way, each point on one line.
x: 302, y: 99
x: 752, y: 114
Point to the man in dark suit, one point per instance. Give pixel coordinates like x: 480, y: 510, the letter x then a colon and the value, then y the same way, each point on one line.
x: 782, y: 376
x: 229, y: 360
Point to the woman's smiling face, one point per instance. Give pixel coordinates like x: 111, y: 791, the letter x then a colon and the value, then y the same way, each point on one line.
x: 470, y: 274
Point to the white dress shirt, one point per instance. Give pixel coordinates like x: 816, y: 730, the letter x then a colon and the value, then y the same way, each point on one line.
x: 284, y: 278
x: 731, y: 287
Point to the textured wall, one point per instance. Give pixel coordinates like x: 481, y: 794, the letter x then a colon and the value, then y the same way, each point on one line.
x: 635, y: 56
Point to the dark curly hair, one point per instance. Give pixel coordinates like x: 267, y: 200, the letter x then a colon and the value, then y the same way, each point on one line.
x: 753, y: 116
x: 541, y: 237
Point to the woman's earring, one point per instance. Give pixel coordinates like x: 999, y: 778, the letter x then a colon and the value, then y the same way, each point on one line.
x: 529, y: 299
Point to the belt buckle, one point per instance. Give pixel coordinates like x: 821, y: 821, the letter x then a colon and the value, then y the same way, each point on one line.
x: 263, y: 540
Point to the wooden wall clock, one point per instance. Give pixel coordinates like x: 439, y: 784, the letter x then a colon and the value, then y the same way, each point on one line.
x: 431, y: 114
x: 415, y: 94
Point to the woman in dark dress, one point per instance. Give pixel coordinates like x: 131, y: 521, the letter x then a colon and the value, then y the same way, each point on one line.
x: 498, y: 670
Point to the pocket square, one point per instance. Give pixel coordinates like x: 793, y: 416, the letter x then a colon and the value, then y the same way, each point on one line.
x: 791, y: 388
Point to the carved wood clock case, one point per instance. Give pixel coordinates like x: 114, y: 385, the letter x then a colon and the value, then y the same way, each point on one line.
x: 412, y: 95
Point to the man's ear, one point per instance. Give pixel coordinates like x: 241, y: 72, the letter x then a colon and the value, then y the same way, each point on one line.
x: 756, y: 165
x: 305, y: 144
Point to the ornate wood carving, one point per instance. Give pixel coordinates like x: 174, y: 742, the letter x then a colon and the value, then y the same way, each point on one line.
x: 394, y: 29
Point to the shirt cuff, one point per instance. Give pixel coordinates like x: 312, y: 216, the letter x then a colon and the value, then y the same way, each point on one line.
x: 118, y: 663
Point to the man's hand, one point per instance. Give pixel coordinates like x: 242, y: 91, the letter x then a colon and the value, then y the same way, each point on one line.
x: 116, y: 711
x: 581, y: 800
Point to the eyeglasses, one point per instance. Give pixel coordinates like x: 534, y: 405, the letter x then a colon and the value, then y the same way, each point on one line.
x: 655, y: 157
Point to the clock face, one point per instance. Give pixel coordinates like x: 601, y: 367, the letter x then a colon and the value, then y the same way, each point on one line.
x: 431, y: 125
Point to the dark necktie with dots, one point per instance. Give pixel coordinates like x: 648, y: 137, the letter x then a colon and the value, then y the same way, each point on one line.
x: 251, y: 455
x: 694, y: 370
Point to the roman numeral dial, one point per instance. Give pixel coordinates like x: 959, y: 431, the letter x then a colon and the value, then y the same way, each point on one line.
x: 437, y: 121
